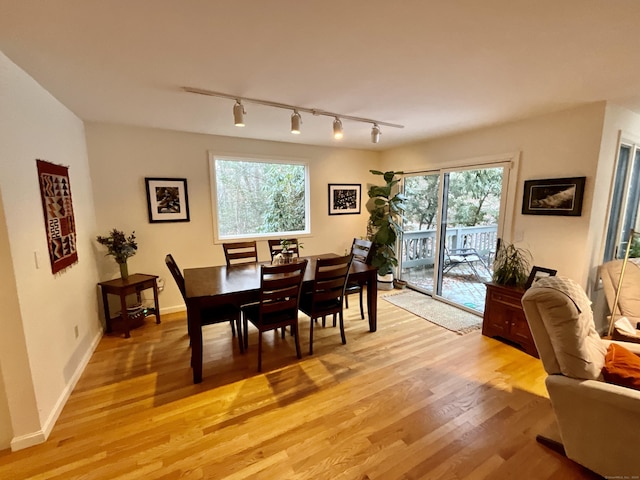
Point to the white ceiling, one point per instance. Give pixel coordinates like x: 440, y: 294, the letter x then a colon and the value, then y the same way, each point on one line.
x: 435, y: 66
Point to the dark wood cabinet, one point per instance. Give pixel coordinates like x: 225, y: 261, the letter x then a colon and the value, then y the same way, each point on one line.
x: 504, y: 317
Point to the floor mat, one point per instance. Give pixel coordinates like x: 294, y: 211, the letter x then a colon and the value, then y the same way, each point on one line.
x: 434, y: 311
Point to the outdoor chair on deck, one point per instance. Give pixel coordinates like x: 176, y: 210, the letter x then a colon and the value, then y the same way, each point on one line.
x: 361, y: 250
x: 327, y: 294
x: 464, y: 256
x: 240, y: 252
x: 227, y: 313
x: 278, y: 307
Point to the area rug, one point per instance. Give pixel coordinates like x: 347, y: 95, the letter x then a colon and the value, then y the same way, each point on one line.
x: 434, y: 311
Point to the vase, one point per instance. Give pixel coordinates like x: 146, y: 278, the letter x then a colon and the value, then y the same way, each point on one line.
x: 124, y: 270
x: 287, y: 257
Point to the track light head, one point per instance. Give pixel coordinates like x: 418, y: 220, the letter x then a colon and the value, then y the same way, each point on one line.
x: 238, y: 114
x: 337, y: 129
x: 375, y: 133
x: 296, y: 120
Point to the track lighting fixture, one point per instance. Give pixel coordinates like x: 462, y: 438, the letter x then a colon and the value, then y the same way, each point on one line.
x: 375, y: 133
x: 238, y: 114
x: 296, y: 119
x: 337, y: 129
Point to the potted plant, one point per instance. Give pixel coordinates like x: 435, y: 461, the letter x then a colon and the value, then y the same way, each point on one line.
x: 511, y: 265
x: 385, y: 208
x: 287, y: 254
x: 120, y: 247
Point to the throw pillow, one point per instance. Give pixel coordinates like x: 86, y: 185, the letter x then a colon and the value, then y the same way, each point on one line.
x: 621, y: 367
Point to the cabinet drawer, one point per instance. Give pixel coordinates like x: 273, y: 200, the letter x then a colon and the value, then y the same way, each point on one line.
x: 499, y: 297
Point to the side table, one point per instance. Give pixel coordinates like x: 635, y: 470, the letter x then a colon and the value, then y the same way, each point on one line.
x: 136, y: 283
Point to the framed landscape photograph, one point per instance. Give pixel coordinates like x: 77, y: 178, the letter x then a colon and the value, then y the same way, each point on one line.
x: 167, y: 199
x: 344, y: 199
x: 556, y: 196
x: 537, y: 273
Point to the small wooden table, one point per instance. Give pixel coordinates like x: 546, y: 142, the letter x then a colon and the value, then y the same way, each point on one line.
x: 136, y: 283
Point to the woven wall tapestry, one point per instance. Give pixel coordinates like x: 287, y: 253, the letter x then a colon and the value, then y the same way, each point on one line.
x: 60, y: 224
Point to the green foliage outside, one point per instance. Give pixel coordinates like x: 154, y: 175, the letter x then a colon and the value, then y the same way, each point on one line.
x: 474, y: 199
x: 258, y: 197
x: 634, y: 250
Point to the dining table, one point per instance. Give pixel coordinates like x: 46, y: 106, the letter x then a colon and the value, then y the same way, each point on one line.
x: 238, y: 285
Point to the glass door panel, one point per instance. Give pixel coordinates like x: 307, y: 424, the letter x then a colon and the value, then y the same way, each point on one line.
x: 450, y: 232
x: 419, y: 230
x: 468, y: 234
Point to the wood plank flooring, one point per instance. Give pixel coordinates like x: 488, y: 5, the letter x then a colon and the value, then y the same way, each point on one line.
x: 411, y: 401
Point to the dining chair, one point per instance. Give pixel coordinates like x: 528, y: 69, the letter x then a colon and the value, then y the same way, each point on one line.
x: 362, y: 251
x: 278, y: 306
x: 275, y: 246
x: 228, y: 313
x: 327, y: 294
x: 240, y: 252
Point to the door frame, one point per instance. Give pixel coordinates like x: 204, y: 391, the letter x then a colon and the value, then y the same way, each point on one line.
x: 511, y: 163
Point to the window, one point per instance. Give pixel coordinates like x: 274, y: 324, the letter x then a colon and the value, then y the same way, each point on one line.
x: 624, y: 202
x: 259, y: 197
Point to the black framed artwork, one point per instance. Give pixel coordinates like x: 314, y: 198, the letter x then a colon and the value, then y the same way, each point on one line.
x: 537, y: 273
x: 344, y: 198
x: 167, y: 199
x: 555, y: 196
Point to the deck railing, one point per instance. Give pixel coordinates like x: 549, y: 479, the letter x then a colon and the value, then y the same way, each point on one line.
x: 418, y: 248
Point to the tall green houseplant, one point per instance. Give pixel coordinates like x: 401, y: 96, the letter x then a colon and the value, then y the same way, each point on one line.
x: 385, y: 207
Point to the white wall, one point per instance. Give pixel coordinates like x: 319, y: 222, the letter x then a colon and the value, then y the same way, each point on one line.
x: 563, y: 144
x: 121, y: 157
x: 41, y: 358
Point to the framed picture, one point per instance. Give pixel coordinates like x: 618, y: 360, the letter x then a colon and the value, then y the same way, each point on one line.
x: 344, y: 199
x: 537, y: 273
x: 167, y: 199
x: 556, y: 196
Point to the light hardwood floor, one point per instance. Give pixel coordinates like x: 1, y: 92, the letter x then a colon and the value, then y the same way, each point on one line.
x: 411, y: 401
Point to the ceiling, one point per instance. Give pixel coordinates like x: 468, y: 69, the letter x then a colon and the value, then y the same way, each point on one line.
x: 436, y: 67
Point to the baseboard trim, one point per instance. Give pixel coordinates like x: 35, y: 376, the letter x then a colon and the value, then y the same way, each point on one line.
x: 40, y: 436
x: 28, y: 440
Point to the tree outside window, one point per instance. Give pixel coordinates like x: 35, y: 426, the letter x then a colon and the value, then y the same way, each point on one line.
x: 260, y: 198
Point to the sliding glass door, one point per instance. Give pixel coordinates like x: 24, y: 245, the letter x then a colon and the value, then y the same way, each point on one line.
x: 452, y: 223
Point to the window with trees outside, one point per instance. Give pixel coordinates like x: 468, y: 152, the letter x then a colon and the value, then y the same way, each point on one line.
x: 625, y: 200
x: 259, y: 197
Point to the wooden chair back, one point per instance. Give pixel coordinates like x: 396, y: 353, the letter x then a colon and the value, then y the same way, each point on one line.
x: 176, y: 273
x: 275, y: 247
x: 328, y: 292
x: 279, y: 299
x: 240, y: 252
x: 280, y: 292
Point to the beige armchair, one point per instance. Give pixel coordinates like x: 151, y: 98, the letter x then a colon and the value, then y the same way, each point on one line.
x: 598, y: 423
x: 627, y: 303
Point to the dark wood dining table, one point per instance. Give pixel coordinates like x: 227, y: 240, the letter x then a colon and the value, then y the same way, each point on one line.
x: 239, y: 285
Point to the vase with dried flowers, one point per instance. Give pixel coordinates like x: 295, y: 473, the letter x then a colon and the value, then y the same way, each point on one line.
x: 121, y: 247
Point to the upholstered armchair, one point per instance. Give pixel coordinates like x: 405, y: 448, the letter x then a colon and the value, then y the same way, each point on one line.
x: 598, y: 422
x: 626, y: 301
